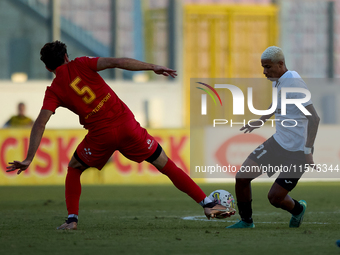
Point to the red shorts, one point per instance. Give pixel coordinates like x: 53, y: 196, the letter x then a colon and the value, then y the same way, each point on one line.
x: 130, y: 139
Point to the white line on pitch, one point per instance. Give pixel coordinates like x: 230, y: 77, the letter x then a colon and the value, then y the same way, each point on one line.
x: 202, y: 218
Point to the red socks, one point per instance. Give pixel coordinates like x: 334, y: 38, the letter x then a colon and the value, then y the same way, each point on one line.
x: 179, y: 178
x: 72, y: 190
x: 182, y: 181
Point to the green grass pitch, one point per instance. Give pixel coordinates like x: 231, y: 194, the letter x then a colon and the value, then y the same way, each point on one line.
x: 149, y: 220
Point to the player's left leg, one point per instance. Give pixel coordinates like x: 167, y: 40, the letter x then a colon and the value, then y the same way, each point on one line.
x: 278, y: 197
x: 94, y: 151
x: 73, y: 192
x: 185, y: 184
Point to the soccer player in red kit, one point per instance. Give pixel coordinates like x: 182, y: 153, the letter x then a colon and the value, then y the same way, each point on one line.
x: 110, y: 123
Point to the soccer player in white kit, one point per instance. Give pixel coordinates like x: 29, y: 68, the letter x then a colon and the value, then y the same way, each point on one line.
x: 289, y: 148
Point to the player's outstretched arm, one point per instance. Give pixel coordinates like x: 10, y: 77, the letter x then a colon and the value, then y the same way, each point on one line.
x: 35, y: 139
x: 133, y: 65
x: 256, y: 124
x: 312, y: 129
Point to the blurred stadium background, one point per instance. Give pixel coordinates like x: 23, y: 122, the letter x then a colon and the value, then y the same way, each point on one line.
x: 199, y: 38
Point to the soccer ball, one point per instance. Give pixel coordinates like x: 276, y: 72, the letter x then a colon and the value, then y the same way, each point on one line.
x: 223, y: 197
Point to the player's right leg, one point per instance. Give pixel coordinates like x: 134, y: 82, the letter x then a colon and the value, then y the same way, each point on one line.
x: 184, y: 183
x: 261, y: 160
x: 143, y: 147
x: 249, y: 171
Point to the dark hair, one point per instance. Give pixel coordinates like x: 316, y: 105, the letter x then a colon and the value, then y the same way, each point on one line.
x: 52, y: 54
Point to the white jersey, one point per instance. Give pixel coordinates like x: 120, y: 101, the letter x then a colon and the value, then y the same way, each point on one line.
x: 291, y: 138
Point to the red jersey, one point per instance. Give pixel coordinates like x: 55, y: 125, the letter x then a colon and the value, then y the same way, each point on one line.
x: 79, y: 88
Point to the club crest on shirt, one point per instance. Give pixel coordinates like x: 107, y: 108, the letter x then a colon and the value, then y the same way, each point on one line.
x: 87, y: 151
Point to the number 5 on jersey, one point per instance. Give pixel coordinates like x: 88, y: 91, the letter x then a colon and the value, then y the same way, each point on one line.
x: 88, y: 99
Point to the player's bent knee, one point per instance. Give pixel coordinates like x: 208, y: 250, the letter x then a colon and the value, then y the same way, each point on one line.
x: 274, y: 200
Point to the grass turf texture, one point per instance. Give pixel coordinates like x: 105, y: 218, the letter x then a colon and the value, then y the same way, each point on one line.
x: 149, y: 220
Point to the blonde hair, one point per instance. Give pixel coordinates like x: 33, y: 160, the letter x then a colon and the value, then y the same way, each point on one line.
x: 274, y: 54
